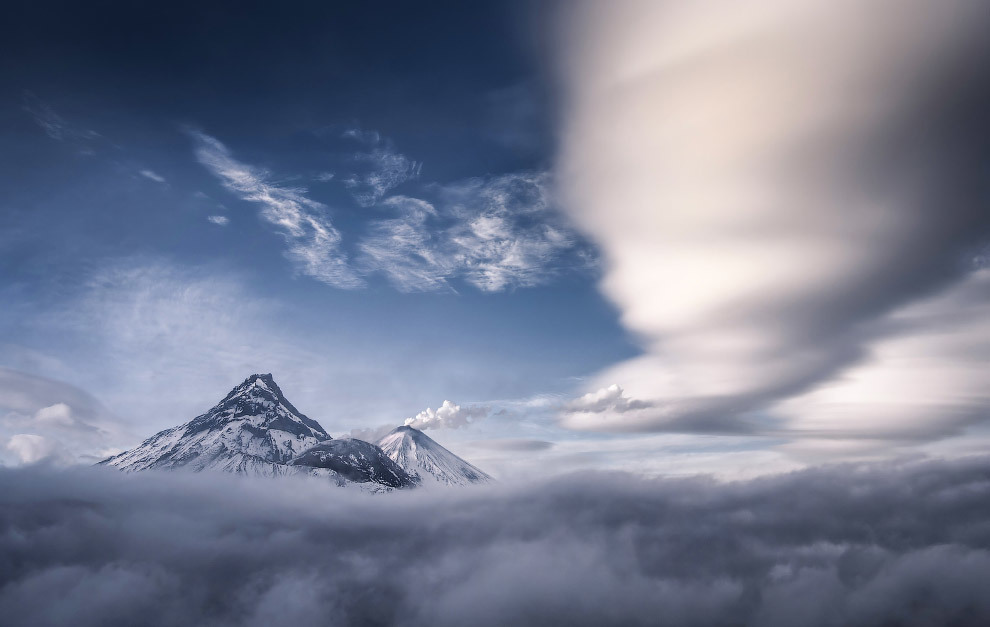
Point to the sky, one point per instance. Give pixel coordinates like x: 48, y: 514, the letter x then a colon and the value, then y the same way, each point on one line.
x: 640, y: 235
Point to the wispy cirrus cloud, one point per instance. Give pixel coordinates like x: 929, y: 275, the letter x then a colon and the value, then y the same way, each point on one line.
x: 495, y: 233
x: 507, y: 233
x: 384, y: 168
x: 153, y: 176
x: 54, y: 125
x: 406, y: 249
x: 314, y: 243
x: 324, y: 177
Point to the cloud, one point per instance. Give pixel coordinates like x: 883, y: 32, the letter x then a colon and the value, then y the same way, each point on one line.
x: 610, y: 399
x: 385, y: 168
x: 151, y: 175
x: 405, y: 249
x: 31, y: 448
x: 219, y: 220
x: 43, y: 418
x: 766, y: 185
x: 496, y: 233
x: 507, y: 234
x: 313, y: 241
x: 447, y: 416
x: 924, y: 376
x: 513, y: 445
x: 57, y: 414
x: 372, y: 434
x: 857, y: 545
x: 54, y: 125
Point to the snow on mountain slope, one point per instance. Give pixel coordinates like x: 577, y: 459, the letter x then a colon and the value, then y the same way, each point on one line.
x: 254, y: 430
x: 420, y: 456
x: 357, y: 461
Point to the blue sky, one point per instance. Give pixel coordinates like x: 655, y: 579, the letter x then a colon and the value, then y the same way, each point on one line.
x: 339, y: 200
x: 701, y: 251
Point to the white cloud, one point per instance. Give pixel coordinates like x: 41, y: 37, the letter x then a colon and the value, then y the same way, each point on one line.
x: 448, y: 416
x: 31, y: 448
x: 150, y: 174
x: 764, y: 182
x: 405, y: 249
x: 314, y: 243
x: 611, y: 399
x: 42, y: 418
x: 219, y: 220
x: 925, y: 376
x: 508, y: 234
x: 386, y: 168
x: 496, y: 233
x: 57, y: 414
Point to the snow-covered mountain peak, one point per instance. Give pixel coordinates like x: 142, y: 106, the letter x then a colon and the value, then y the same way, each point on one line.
x: 421, y: 456
x: 260, y: 402
x: 252, y: 430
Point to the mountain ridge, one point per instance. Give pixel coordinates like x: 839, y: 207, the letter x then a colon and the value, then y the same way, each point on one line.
x: 255, y: 430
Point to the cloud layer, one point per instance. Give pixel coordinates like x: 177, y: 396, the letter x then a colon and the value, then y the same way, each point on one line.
x: 768, y: 183
x: 849, y: 545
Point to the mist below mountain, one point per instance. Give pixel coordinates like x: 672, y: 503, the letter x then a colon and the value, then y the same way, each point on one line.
x: 881, y: 544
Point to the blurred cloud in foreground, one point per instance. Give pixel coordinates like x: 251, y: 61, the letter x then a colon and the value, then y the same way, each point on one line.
x: 785, y: 195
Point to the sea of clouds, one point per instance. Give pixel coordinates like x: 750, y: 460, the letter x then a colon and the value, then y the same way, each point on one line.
x: 901, y: 543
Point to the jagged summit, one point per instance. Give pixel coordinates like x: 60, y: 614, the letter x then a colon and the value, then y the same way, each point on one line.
x: 252, y: 430
x: 422, y: 457
x: 259, y: 395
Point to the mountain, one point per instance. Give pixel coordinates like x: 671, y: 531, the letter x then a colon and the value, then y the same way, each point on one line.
x: 420, y: 456
x: 255, y: 430
x: 357, y: 461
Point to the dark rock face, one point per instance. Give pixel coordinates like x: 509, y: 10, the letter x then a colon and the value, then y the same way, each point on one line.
x: 357, y: 461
